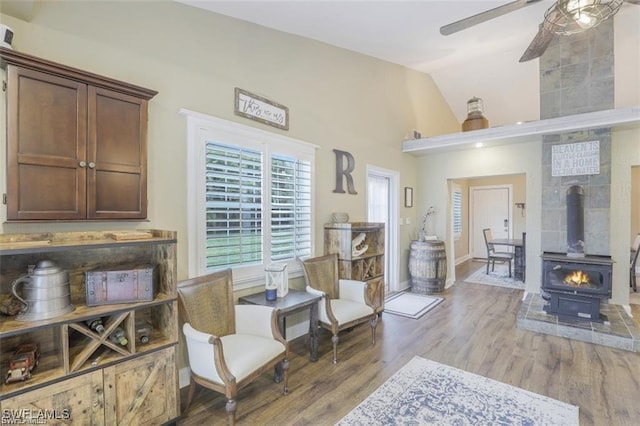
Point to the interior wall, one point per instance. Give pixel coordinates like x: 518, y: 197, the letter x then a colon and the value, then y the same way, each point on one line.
x: 337, y: 99
x: 635, y: 202
x: 435, y: 170
x: 518, y: 182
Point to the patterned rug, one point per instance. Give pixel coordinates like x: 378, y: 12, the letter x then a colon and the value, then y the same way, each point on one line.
x: 425, y: 392
x: 499, y: 277
x: 410, y: 305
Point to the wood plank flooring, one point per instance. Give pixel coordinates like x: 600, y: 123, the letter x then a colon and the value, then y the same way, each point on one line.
x: 474, y: 329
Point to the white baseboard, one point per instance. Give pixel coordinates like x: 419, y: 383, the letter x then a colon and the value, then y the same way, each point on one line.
x: 183, y: 377
x: 463, y: 259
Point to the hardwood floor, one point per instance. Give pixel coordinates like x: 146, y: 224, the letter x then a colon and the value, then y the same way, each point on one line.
x: 474, y: 329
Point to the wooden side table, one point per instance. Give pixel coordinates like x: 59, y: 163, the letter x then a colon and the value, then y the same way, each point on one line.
x: 294, y: 301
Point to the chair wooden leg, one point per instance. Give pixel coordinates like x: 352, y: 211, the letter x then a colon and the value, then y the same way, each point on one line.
x: 488, y: 262
x: 190, y: 393
x: 509, y: 268
x: 373, y: 323
x: 231, y: 408
x: 285, y: 376
x: 334, y: 340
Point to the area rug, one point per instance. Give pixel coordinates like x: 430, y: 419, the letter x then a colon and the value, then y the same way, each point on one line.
x: 499, y: 277
x: 425, y: 392
x: 410, y: 305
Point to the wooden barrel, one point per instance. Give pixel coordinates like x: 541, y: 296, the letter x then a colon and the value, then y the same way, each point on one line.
x: 428, y: 266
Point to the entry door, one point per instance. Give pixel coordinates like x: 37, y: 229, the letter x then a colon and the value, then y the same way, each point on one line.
x: 491, y: 208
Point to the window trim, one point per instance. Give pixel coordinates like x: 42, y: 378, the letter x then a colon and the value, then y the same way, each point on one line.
x: 455, y: 188
x: 202, y: 126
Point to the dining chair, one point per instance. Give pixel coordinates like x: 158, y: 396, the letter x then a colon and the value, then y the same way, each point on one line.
x: 634, y: 261
x: 493, y: 255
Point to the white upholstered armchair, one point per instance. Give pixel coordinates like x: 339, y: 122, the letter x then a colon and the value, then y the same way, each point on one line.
x: 343, y: 304
x: 229, y: 345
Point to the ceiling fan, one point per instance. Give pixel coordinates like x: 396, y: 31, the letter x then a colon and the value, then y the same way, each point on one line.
x: 563, y: 17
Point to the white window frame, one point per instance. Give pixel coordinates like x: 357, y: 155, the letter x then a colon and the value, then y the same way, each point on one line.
x: 203, y: 127
x: 455, y: 188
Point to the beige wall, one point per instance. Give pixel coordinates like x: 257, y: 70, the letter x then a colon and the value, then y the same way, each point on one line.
x: 519, y: 193
x: 635, y: 202
x: 337, y: 99
x: 434, y: 172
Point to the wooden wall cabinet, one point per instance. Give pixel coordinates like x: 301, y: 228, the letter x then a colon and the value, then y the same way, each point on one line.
x: 81, y: 373
x: 76, y: 143
x: 369, y: 266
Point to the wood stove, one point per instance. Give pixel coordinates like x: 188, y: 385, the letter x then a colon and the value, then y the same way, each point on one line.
x: 575, y: 286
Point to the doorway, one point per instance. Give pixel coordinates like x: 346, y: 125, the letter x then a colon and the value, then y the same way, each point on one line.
x: 490, y: 207
x: 382, y: 206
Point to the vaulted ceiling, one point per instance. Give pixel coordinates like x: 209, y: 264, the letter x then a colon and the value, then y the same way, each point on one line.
x: 480, y: 61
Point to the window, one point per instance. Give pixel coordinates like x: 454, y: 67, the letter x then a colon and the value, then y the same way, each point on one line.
x: 249, y: 199
x: 456, y: 202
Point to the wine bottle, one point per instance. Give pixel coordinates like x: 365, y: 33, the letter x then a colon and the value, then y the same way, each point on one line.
x: 96, y: 325
x: 118, y: 336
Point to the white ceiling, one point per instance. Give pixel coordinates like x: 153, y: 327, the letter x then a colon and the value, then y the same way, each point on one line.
x: 480, y: 61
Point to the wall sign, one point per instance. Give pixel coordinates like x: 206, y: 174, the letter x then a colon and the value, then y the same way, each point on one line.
x: 261, y: 109
x: 343, y: 170
x: 573, y: 159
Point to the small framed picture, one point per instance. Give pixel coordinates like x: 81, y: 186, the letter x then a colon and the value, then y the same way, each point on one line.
x: 408, y: 196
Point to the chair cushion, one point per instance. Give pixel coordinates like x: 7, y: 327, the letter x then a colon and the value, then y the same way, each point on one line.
x: 243, y: 354
x: 346, y: 311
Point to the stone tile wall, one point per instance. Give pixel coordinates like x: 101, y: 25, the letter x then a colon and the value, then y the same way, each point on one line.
x: 576, y: 76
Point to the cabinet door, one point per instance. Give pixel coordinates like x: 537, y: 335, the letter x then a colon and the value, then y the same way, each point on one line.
x: 143, y: 390
x: 46, y: 143
x: 117, y: 156
x: 77, y: 401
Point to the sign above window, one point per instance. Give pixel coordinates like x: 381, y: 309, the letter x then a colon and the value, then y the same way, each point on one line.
x: 261, y: 109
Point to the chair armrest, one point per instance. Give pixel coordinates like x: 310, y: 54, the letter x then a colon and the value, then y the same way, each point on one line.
x: 206, y: 356
x: 315, y: 292
x: 353, y: 290
x: 254, y: 320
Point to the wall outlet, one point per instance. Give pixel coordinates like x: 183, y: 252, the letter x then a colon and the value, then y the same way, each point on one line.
x: 408, y: 221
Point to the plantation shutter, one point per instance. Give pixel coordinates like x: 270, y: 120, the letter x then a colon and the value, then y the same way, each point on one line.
x: 290, y: 208
x: 233, y: 205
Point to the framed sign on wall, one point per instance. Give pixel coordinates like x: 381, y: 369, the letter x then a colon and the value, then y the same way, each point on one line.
x: 261, y: 109
x: 408, y: 196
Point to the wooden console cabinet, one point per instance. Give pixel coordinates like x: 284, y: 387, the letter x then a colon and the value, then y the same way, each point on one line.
x: 369, y: 266
x: 76, y: 143
x: 82, y: 377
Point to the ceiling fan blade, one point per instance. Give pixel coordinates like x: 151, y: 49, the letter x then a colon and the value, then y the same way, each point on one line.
x: 484, y: 16
x: 538, y: 45
x: 633, y: 2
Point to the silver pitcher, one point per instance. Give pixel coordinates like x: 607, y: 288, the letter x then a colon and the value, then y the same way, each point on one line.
x: 45, y: 293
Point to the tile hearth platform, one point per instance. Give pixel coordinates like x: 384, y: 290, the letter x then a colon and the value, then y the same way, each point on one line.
x: 619, y: 331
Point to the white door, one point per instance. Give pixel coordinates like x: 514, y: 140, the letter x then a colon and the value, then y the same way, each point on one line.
x: 490, y: 208
x: 382, y: 190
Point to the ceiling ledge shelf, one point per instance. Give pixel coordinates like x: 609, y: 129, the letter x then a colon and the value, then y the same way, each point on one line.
x: 525, y: 132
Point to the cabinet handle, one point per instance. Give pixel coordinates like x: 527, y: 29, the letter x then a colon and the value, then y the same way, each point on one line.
x: 82, y: 164
x: 92, y: 165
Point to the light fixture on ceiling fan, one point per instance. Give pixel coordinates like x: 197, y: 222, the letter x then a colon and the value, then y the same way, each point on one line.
x: 562, y: 18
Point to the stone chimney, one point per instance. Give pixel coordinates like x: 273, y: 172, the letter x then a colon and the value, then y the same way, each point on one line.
x: 577, y: 76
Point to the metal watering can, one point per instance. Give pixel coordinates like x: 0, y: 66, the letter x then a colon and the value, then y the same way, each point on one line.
x: 45, y: 292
